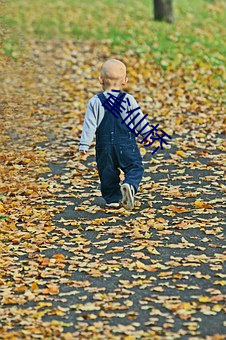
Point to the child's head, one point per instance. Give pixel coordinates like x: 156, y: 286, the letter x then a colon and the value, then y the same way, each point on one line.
x: 113, y: 75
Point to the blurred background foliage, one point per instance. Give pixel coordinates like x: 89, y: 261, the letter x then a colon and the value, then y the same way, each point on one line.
x: 198, y: 31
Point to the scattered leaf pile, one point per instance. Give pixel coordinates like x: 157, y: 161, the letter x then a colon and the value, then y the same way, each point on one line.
x: 71, y: 269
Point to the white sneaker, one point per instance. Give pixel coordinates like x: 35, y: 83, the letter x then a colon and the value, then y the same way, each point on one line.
x: 112, y: 205
x: 128, y: 194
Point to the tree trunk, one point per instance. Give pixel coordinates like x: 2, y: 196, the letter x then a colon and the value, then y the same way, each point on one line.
x: 163, y: 10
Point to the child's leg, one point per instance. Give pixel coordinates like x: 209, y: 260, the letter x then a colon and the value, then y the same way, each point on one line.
x: 131, y: 164
x: 107, y: 166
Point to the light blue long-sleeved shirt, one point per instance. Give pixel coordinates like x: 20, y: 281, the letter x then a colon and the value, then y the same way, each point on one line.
x: 95, y: 113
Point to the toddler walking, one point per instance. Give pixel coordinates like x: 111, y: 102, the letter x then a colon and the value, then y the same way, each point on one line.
x: 116, y: 146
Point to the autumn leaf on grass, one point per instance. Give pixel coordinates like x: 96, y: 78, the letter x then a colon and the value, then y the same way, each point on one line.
x: 202, y: 205
x: 2, y: 208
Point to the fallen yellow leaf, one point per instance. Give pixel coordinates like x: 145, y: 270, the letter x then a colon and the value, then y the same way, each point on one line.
x: 181, y: 153
x: 34, y: 286
x: 1, y: 208
x: 204, y: 299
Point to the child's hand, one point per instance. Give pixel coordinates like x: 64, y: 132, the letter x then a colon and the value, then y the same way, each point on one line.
x: 83, y: 152
x: 148, y: 140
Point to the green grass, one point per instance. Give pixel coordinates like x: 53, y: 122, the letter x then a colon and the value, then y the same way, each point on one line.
x: 198, y: 31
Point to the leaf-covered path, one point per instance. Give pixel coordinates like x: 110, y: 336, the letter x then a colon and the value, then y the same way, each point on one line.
x: 70, y: 269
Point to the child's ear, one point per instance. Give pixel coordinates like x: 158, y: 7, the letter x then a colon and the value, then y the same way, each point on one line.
x: 101, y: 80
x: 125, y: 81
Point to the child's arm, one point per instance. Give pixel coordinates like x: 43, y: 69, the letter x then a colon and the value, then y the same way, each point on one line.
x: 140, y: 123
x: 89, y: 128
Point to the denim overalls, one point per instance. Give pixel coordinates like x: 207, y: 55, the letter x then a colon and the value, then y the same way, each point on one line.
x: 116, y: 149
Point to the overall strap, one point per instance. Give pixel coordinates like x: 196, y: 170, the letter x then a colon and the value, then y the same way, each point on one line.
x: 102, y: 97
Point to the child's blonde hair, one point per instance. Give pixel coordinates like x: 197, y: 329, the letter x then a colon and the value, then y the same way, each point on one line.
x: 113, y: 71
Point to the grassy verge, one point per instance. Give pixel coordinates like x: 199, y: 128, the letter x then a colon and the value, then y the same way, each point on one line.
x: 197, y: 33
